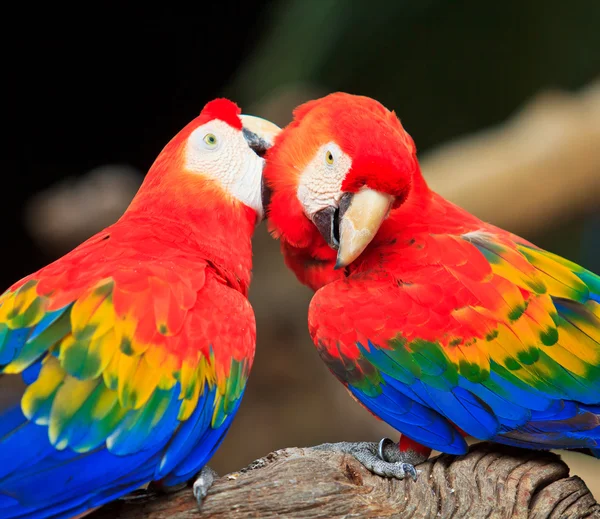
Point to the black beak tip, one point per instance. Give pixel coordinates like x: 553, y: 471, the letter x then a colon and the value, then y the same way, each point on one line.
x: 329, y: 219
x: 325, y: 222
x: 257, y: 144
x: 338, y: 265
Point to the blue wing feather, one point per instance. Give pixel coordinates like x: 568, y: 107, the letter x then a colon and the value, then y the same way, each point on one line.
x: 139, y: 430
x: 423, y: 407
x: 181, y: 445
x: 201, y: 451
x: 439, y: 434
x: 503, y: 408
x: 30, y: 461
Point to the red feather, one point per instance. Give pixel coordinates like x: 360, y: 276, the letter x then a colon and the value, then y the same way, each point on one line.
x: 224, y: 110
x: 438, y: 297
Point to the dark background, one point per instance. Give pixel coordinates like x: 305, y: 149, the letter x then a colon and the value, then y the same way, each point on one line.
x: 83, y: 92
x: 105, y: 87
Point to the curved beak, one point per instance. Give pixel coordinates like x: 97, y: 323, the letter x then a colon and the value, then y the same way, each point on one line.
x: 350, y: 227
x: 259, y: 133
x: 360, y: 223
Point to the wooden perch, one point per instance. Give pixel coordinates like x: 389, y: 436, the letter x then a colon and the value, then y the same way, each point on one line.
x: 490, y: 481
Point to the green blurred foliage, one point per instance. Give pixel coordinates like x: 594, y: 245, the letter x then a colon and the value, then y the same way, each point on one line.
x: 446, y: 67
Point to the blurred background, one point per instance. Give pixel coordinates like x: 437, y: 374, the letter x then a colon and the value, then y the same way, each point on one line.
x: 502, y: 99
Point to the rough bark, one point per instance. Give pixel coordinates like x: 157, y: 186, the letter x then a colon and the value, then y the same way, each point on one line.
x: 490, y: 481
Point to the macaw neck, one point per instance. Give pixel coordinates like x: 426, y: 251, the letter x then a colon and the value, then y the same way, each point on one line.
x: 423, y: 211
x: 213, y: 224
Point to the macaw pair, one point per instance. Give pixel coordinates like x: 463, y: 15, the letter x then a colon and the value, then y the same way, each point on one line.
x: 135, y: 348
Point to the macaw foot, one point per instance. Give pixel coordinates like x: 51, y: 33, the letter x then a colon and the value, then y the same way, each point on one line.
x: 204, y: 481
x: 383, y: 458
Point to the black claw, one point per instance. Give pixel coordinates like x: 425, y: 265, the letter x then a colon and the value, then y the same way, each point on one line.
x: 203, y: 483
x: 383, y: 443
x: 410, y: 470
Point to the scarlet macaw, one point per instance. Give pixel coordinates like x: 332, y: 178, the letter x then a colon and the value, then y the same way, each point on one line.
x: 136, y: 346
x: 437, y: 322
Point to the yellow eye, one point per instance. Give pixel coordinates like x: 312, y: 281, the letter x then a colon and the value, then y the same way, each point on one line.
x: 329, y: 157
x: 210, y: 139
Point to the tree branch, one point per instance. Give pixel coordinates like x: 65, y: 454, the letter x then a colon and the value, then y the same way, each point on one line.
x: 489, y: 481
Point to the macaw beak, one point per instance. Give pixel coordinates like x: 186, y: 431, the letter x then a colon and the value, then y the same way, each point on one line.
x: 352, y: 225
x: 259, y: 133
x: 360, y: 222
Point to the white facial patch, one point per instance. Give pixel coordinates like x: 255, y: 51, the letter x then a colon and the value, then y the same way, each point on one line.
x: 219, y: 151
x: 321, y: 181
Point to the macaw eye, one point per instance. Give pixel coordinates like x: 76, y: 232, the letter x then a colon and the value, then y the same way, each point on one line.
x: 210, y: 139
x: 329, y: 157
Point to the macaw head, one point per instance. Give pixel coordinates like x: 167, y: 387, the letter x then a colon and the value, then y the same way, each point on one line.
x: 220, y: 151
x: 335, y: 173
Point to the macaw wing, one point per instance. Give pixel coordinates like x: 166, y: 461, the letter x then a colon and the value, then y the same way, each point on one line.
x: 491, y: 335
x: 130, y: 377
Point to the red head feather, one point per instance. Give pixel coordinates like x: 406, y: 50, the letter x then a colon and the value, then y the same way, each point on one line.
x: 170, y: 158
x: 222, y: 109
x: 195, y: 199
x: 363, y: 128
x: 383, y: 157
